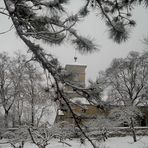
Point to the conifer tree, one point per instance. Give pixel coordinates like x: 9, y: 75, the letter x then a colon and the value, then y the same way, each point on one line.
x: 31, y: 23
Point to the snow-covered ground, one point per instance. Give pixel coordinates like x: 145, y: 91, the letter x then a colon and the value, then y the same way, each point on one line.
x: 126, y: 142
x: 115, y: 142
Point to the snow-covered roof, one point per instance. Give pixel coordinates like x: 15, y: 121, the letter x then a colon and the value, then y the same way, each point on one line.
x: 76, y: 64
x: 80, y: 100
x: 60, y: 113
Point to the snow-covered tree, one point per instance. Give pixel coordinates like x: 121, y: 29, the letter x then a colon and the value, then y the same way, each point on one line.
x: 8, y: 90
x: 18, y: 77
x: 99, y: 127
x: 127, y: 79
x: 32, y: 24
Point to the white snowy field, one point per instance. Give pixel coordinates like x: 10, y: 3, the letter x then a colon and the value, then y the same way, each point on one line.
x: 115, y: 142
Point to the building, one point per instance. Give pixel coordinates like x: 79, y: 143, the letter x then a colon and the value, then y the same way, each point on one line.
x: 82, y: 109
x: 77, y: 72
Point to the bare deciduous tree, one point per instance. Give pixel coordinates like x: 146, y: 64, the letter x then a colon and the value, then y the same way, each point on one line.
x: 127, y: 79
x: 18, y: 77
x: 30, y: 23
x: 8, y: 90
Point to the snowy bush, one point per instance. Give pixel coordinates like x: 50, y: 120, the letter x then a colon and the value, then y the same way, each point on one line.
x: 63, y: 130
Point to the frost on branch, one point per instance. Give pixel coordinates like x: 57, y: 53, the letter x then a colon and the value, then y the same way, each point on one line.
x: 11, y: 6
x: 122, y: 114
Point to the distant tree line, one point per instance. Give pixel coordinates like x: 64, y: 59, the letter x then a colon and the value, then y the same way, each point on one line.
x: 33, y: 25
x: 23, y: 99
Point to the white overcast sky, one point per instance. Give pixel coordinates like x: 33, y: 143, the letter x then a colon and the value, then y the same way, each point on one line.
x: 92, y: 26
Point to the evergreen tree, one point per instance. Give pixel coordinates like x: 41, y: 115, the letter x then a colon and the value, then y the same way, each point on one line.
x: 31, y: 22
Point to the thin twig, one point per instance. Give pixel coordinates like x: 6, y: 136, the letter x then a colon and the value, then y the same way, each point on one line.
x: 4, y: 13
x: 7, y: 30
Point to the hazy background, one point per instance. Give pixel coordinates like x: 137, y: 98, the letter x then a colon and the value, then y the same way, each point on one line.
x: 91, y: 26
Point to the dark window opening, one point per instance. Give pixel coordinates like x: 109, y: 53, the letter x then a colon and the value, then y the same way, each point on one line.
x: 143, y: 121
x: 125, y: 124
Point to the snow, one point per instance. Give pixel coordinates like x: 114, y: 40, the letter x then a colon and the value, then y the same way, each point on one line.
x: 77, y: 64
x: 126, y: 142
x: 11, y: 6
x: 114, y: 142
x: 80, y: 100
x: 60, y: 112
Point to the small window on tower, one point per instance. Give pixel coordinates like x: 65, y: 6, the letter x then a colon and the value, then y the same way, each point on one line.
x: 76, y: 77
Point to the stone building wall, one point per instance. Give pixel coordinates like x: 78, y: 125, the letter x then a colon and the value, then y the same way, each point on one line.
x: 77, y: 77
x: 89, y: 111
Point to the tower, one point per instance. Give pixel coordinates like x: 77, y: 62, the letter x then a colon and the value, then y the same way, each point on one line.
x: 77, y: 78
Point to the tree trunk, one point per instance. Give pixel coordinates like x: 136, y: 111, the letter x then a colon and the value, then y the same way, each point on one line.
x: 20, y: 110
x: 13, y: 121
x: 32, y: 111
x: 19, y: 120
x: 133, y: 130
x: 32, y: 101
x: 6, y: 119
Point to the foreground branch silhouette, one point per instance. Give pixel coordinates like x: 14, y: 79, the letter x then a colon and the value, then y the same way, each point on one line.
x: 30, y: 23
